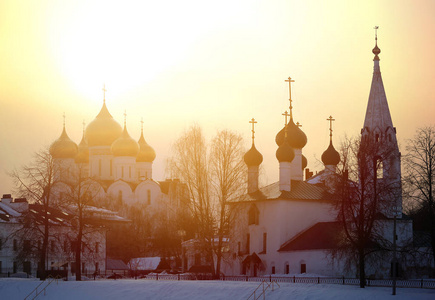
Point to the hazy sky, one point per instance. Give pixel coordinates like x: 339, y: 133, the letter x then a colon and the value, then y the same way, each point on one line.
x: 217, y: 63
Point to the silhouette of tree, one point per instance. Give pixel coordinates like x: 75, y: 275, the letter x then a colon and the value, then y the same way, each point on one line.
x: 35, y: 182
x: 364, y: 202
x: 419, y: 180
x: 212, y: 174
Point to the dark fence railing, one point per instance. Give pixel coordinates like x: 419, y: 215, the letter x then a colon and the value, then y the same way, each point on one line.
x: 411, y: 283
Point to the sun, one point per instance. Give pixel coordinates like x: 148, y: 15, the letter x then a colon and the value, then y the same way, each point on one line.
x: 123, y: 47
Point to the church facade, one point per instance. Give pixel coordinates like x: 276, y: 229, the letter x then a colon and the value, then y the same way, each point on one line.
x: 115, y: 166
x: 290, y: 226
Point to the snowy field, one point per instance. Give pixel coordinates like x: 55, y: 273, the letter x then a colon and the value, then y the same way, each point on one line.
x: 14, y: 288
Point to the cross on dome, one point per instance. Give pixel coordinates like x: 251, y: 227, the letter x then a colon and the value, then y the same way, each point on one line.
x: 289, y: 80
x: 253, y: 122
x: 104, y: 92
x: 63, y: 119
x: 330, y: 119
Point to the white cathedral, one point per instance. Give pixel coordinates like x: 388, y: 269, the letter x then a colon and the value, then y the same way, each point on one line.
x: 287, y: 227
x: 118, y: 166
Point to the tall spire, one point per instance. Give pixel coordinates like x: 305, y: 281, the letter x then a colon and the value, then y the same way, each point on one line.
x: 378, y: 113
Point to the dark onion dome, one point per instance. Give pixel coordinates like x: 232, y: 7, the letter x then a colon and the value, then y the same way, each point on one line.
x: 304, y: 162
x: 82, y: 156
x: 376, y: 51
x: 330, y: 156
x: 125, y: 145
x: 296, y: 137
x: 285, y: 153
x: 253, y: 157
x: 63, y: 147
x: 103, y: 130
x: 146, y: 152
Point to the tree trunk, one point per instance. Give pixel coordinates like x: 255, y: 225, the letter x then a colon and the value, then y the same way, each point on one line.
x: 79, y: 246
x: 362, y: 273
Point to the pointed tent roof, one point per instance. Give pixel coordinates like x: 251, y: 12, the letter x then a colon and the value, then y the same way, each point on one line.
x: 378, y: 113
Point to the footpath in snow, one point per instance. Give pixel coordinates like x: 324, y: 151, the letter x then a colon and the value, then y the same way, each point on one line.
x: 14, y: 288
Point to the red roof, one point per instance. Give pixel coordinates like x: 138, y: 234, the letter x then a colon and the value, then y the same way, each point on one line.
x: 322, y: 235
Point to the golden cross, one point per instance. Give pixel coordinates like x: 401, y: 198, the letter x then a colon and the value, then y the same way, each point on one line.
x: 141, y: 125
x: 63, y: 119
x: 84, y: 124
x: 253, y: 122
x: 104, y: 92
x: 289, y: 80
x: 125, y: 117
x: 376, y: 32
x: 286, y: 114
x: 298, y: 124
x: 330, y: 119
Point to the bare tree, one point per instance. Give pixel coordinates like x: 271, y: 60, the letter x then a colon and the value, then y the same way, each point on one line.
x: 190, y: 164
x: 365, y: 199
x: 212, y: 175
x: 35, y: 181
x: 419, y: 179
x: 227, y: 170
x: 81, y: 191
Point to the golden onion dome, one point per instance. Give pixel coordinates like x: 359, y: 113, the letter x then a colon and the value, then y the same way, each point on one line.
x: 125, y: 145
x: 146, y: 152
x: 63, y: 147
x: 103, y: 130
x: 253, y: 157
x: 82, y: 156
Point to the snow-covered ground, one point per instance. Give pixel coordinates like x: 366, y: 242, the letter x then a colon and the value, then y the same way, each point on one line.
x: 14, y: 288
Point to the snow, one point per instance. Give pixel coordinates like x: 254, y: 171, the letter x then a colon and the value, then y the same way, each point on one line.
x: 9, y: 210
x: 144, y: 263
x: 14, y: 288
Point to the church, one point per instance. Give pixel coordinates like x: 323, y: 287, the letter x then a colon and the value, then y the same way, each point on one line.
x: 289, y: 227
x: 118, y: 167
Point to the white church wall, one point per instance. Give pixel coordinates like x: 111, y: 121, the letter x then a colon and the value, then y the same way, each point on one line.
x: 125, y: 168
x: 148, y: 192
x: 121, y: 190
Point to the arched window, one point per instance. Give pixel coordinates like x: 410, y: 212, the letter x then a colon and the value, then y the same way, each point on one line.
x: 286, y: 268
x: 149, y: 197
x: 379, y: 169
x: 253, y: 215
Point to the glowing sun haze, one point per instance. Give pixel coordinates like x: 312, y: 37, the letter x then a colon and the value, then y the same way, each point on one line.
x: 217, y: 63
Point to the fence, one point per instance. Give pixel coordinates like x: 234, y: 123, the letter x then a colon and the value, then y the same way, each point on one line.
x: 409, y: 283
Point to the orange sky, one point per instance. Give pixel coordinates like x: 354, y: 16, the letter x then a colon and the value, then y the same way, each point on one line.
x: 217, y: 63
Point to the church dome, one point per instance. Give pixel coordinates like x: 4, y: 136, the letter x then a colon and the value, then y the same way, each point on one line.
x: 103, y: 130
x: 296, y: 137
x: 330, y: 156
x: 125, y: 145
x: 146, y: 152
x: 285, y: 153
x: 253, y: 157
x: 63, y: 147
x: 304, y: 162
x: 82, y: 156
